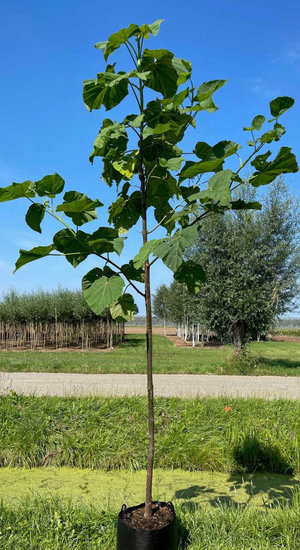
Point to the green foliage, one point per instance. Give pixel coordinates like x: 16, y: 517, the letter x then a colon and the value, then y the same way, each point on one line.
x: 155, y: 133
x: 42, y: 306
x: 245, y: 363
x: 252, y: 265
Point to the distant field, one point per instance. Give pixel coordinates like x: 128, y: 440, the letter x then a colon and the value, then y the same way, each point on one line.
x: 282, y: 358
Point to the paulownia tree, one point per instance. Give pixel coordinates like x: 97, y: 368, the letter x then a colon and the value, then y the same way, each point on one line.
x: 142, y: 158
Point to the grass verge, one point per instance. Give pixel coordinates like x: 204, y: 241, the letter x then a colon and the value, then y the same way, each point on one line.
x: 225, y: 435
x: 282, y: 358
x: 52, y: 524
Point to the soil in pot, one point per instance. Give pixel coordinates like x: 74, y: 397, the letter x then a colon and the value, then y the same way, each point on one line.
x: 157, y: 533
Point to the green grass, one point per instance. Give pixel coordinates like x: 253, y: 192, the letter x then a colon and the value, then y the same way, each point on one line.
x: 111, y: 489
x: 282, y: 358
x: 108, y: 434
x: 52, y: 524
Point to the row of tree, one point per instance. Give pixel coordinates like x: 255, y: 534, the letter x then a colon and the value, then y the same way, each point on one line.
x: 252, y: 263
x: 60, y: 305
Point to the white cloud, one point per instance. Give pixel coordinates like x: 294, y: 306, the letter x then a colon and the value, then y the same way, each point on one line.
x: 255, y: 85
x: 293, y: 54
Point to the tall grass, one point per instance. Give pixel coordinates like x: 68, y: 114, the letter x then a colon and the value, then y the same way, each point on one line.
x: 251, y: 435
x: 38, y: 524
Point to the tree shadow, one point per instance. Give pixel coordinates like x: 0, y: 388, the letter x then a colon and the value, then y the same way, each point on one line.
x: 280, y: 363
x: 191, y: 492
x: 260, y: 456
x: 133, y: 342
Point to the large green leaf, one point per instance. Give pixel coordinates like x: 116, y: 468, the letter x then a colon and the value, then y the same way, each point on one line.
x: 79, y: 207
x: 273, y: 135
x: 218, y: 189
x: 142, y: 256
x: 74, y: 246
x: 242, y: 205
x: 109, y: 89
x: 117, y: 39
x: 284, y: 163
x: 204, y: 96
x: 163, y: 76
x: 17, y: 191
x: 95, y: 274
x: 35, y: 215
x: 123, y: 35
x: 256, y: 123
x: 132, y: 273
x: 279, y: 105
x: 123, y: 309
x: 170, y: 249
x: 50, y: 185
x: 183, y: 69
x: 191, y: 274
x: 103, y: 292
x: 106, y: 239
x: 127, y: 165
x: 212, y: 158
x: 111, y: 136
x: 221, y: 150
x: 173, y: 164
x: 36, y: 253
x: 125, y: 212
x: 153, y: 28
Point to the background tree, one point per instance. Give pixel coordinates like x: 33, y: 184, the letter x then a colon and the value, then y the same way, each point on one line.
x: 161, y: 305
x: 144, y: 147
x: 252, y: 265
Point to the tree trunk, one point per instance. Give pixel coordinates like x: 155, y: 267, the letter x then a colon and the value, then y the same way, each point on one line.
x: 239, y: 331
x: 165, y: 330
x: 148, y: 497
x: 148, y: 500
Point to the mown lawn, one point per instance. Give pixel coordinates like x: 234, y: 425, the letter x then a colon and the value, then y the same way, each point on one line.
x: 282, y: 358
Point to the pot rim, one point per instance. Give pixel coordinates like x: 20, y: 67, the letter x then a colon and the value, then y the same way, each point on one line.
x: 159, y: 502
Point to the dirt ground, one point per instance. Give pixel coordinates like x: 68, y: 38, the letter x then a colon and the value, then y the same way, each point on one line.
x: 178, y: 342
x: 171, y: 331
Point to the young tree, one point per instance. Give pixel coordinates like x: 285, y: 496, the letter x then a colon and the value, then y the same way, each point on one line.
x: 252, y: 264
x: 143, y: 148
x: 160, y: 304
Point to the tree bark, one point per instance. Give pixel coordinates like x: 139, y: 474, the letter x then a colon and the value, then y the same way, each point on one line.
x: 239, y: 330
x: 150, y: 393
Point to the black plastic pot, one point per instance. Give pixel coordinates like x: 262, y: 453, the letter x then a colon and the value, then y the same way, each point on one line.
x: 130, y: 538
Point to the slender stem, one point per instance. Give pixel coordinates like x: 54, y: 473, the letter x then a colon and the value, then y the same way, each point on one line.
x: 51, y: 212
x: 164, y: 217
x: 108, y: 260
x: 130, y: 53
x: 150, y: 390
x: 135, y: 94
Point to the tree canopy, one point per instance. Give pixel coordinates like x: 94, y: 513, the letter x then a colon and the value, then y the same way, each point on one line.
x: 252, y: 265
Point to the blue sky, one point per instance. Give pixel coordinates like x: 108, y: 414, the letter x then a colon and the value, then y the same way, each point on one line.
x: 47, y: 50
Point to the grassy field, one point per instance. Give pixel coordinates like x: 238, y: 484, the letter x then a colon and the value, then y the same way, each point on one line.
x: 253, y: 435
x: 51, y: 524
x: 282, y: 358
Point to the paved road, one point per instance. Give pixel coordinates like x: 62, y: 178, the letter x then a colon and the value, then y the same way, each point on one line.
x: 180, y: 385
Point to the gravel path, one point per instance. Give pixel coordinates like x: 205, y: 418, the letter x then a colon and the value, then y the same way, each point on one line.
x: 178, y: 385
